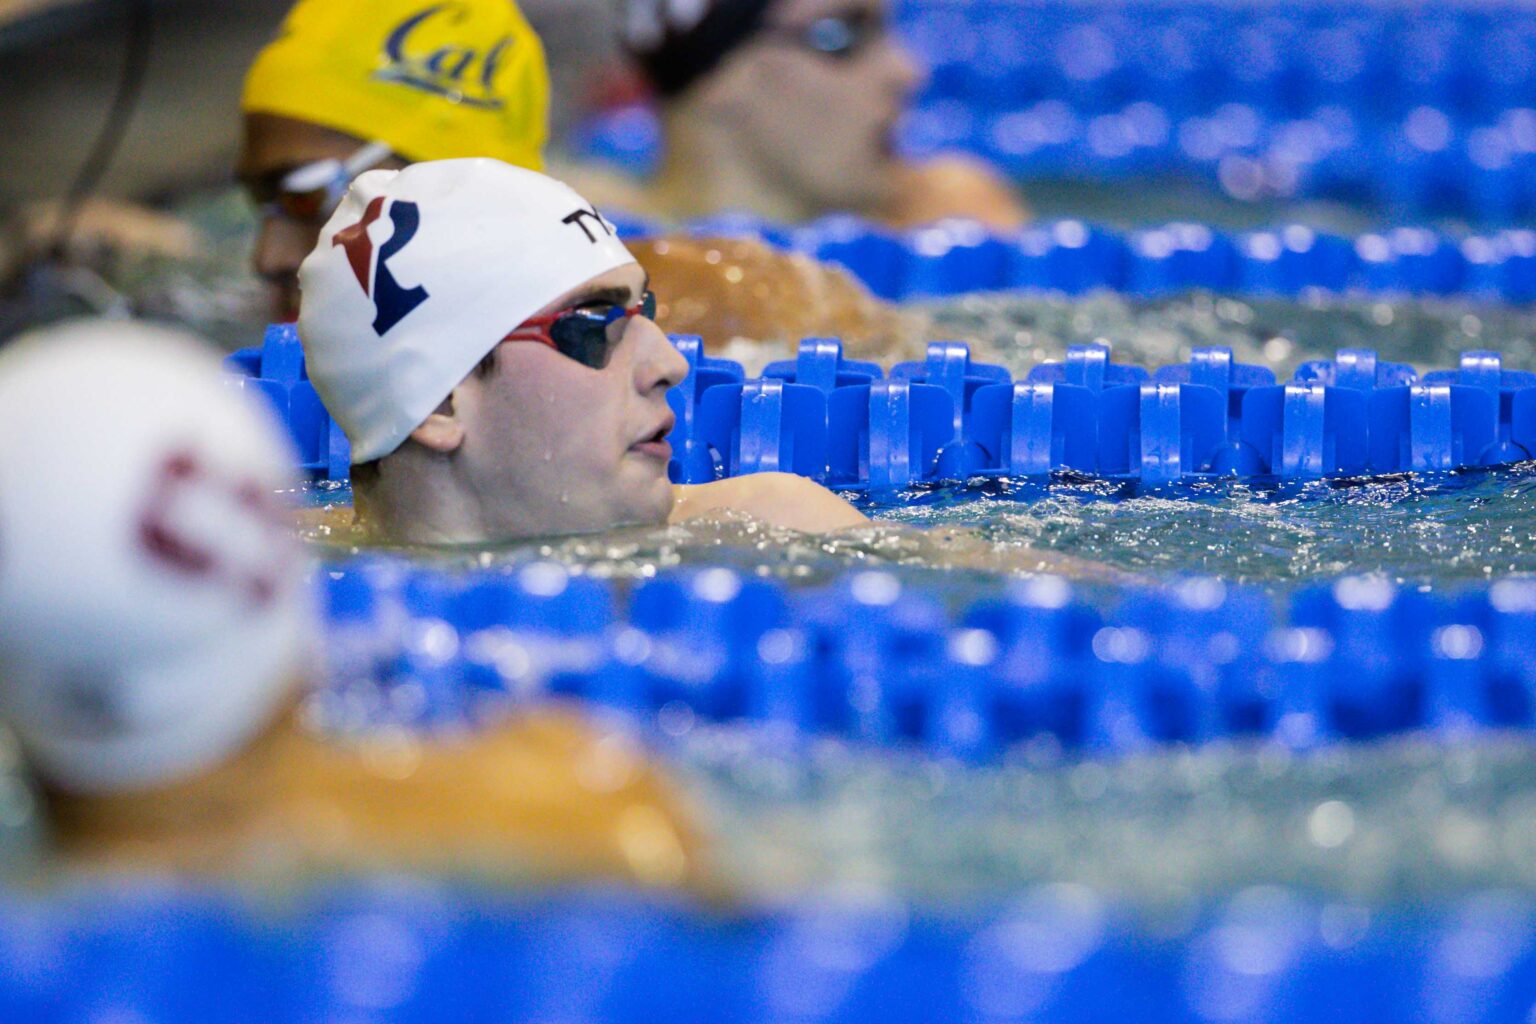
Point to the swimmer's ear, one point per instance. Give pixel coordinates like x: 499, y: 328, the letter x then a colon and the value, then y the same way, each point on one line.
x: 440, y: 432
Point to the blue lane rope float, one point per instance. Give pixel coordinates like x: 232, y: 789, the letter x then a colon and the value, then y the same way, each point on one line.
x: 1425, y: 114
x: 950, y: 418
x: 872, y: 660
x: 276, y: 371
x: 431, y: 951
x: 1355, y: 101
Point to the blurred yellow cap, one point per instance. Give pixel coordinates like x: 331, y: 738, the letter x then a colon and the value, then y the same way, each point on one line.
x: 435, y: 79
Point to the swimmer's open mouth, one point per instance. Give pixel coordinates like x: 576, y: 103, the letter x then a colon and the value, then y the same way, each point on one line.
x: 655, y: 443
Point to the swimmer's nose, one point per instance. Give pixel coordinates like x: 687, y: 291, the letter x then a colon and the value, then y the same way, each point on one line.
x: 658, y: 364
x: 906, y: 75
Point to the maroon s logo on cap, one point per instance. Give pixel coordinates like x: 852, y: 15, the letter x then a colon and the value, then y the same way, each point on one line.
x: 173, y: 527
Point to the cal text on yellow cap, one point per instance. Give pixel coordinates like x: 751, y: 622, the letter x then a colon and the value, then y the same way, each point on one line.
x: 435, y: 79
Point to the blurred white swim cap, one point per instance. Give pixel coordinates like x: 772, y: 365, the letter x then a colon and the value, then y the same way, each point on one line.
x: 421, y: 272
x: 152, y: 603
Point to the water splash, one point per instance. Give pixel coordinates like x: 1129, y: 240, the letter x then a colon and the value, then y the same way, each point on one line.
x: 1468, y: 527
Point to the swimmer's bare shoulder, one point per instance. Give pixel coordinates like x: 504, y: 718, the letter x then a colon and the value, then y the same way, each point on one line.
x: 955, y: 186
x: 779, y: 499
x: 793, y: 502
x: 544, y: 796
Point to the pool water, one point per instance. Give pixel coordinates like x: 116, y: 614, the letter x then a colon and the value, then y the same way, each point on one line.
x: 1431, y: 532
x: 1023, y: 331
x: 1469, y: 527
x: 1404, y: 822
x: 1362, y: 826
x: 1472, y: 526
x: 1466, y: 527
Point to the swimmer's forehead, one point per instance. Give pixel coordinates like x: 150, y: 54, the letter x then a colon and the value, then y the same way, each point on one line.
x: 622, y: 286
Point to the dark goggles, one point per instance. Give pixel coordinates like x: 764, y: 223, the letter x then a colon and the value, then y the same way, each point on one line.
x: 586, y: 334
x: 842, y: 36
x: 315, y: 205
x: 312, y: 191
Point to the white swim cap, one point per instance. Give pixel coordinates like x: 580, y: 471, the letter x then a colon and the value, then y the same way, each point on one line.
x: 152, y: 603
x: 421, y: 272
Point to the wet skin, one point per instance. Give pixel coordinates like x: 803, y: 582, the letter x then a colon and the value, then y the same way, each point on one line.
x: 540, y: 445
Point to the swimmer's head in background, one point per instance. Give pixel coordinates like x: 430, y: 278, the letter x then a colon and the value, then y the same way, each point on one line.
x: 422, y: 272
x: 152, y: 608
x: 799, y: 101
x: 432, y: 79
x: 678, y: 42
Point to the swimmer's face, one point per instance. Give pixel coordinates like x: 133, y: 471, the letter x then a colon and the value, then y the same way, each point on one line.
x: 822, y: 122
x: 274, y: 148
x: 552, y: 446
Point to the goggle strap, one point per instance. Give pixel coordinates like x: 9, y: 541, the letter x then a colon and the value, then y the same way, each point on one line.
x: 537, y: 328
x: 368, y: 157
x: 312, y: 177
x: 333, y: 176
x: 524, y: 334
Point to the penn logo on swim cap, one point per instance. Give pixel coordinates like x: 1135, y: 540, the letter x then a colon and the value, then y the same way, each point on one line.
x: 433, y: 79
x: 392, y: 302
x: 490, y: 245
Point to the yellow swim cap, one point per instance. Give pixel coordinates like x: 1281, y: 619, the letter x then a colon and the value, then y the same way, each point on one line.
x: 435, y: 79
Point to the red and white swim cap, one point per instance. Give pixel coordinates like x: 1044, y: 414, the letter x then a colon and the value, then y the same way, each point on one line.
x: 421, y: 272
x: 152, y: 604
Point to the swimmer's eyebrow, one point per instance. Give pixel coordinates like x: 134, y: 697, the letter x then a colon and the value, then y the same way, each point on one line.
x: 612, y: 295
x: 607, y: 296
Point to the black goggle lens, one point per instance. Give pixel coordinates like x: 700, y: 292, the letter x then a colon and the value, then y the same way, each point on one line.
x: 585, y: 336
x: 315, y: 205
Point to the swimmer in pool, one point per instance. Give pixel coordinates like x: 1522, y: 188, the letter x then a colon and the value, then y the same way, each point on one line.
x: 485, y: 341
x: 350, y: 86
x: 787, y: 108
x: 154, y: 625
